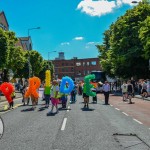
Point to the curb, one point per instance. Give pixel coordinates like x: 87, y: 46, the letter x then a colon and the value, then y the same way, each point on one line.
x: 14, y: 99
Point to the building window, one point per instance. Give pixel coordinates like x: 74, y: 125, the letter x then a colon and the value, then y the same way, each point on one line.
x: 78, y: 64
x: 88, y: 72
x: 88, y: 63
x: 93, y: 63
x: 62, y: 64
x: 66, y: 64
x: 72, y: 69
x: 83, y: 63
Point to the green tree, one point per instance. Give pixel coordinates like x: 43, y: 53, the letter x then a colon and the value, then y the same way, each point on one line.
x: 36, y: 61
x: 46, y: 66
x: 144, y: 35
x: 121, y: 53
x: 3, y: 48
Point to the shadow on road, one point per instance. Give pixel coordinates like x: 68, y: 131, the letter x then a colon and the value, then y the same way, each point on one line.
x: 42, y: 108
x: 28, y: 109
x: 87, y: 109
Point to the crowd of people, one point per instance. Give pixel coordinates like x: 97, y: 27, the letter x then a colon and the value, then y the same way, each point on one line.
x: 52, y: 95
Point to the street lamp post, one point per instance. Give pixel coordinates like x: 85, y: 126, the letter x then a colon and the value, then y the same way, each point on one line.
x: 29, y: 48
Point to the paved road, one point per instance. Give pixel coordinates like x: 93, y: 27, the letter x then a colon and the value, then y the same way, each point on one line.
x: 73, y: 129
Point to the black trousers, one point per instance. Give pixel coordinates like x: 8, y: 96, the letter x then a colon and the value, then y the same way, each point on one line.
x: 106, y: 94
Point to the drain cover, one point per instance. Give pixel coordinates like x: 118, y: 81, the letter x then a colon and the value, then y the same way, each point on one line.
x: 131, y: 142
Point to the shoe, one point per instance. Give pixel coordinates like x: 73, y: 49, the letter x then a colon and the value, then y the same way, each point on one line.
x: 84, y: 106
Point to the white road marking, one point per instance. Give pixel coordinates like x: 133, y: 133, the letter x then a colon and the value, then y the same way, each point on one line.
x: 64, y: 124
x: 68, y: 108
x: 125, y: 114
x: 111, y: 105
x: 117, y: 108
x: 138, y: 121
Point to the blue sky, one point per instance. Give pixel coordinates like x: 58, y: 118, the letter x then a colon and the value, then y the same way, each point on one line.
x: 71, y: 26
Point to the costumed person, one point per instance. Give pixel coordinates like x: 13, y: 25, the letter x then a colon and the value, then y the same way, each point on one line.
x: 54, y: 96
x: 87, y: 89
x: 47, y: 88
x: 8, y: 90
x: 66, y: 87
x: 64, y: 97
x: 106, y: 90
x: 34, y: 84
x: 11, y: 104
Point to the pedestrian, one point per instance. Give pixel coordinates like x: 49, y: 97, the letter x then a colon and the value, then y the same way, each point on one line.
x: 55, y: 95
x: 144, y: 92
x: 85, y: 97
x: 106, y: 90
x: 80, y: 88
x: 124, y: 91
x: 73, y: 93
x: 148, y: 87
x: 11, y: 104
x: 47, y: 96
x: 130, y: 91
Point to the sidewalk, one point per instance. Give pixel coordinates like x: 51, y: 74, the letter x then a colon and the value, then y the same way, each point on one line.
x: 139, y: 111
x: 18, y: 95
x: 136, y: 96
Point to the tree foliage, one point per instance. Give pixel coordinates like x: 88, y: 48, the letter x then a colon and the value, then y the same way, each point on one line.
x: 125, y: 48
x: 3, y: 49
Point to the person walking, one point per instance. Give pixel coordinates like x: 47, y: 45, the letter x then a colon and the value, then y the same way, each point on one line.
x: 73, y: 93
x: 124, y: 91
x: 130, y: 90
x: 106, y: 90
x: 54, y: 96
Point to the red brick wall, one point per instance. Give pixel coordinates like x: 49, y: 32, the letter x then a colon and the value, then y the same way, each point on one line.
x: 69, y: 67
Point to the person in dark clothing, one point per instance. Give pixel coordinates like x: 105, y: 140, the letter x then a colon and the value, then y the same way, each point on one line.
x: 73, y: 93
x: 106, y: 90
x: 130, y: 91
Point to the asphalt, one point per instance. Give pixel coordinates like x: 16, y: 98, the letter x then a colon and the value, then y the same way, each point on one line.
x: 100, y: 127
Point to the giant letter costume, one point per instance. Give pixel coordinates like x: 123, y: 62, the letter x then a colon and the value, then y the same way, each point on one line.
x: 34, y: 84
x: 7, y: 89
x: 88, y: 86
x: 63, y: 89
x: 47, y: 82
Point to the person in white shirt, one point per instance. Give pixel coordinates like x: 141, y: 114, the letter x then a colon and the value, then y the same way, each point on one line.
x: 106, y: 90
x: 54, y: 96
x: 124, y: 88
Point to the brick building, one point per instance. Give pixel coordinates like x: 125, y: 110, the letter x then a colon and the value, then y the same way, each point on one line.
x: 3, y: 21
x: 75, y: 68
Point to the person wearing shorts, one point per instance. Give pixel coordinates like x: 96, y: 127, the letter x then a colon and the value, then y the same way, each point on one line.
x: 54, y: 96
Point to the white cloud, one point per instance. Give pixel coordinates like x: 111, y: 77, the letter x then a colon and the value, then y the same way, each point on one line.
x: 65, y: 43
x: 90, y: 43
x: 96, y: 8
x: 101, y: 7
x: 79, y: 38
